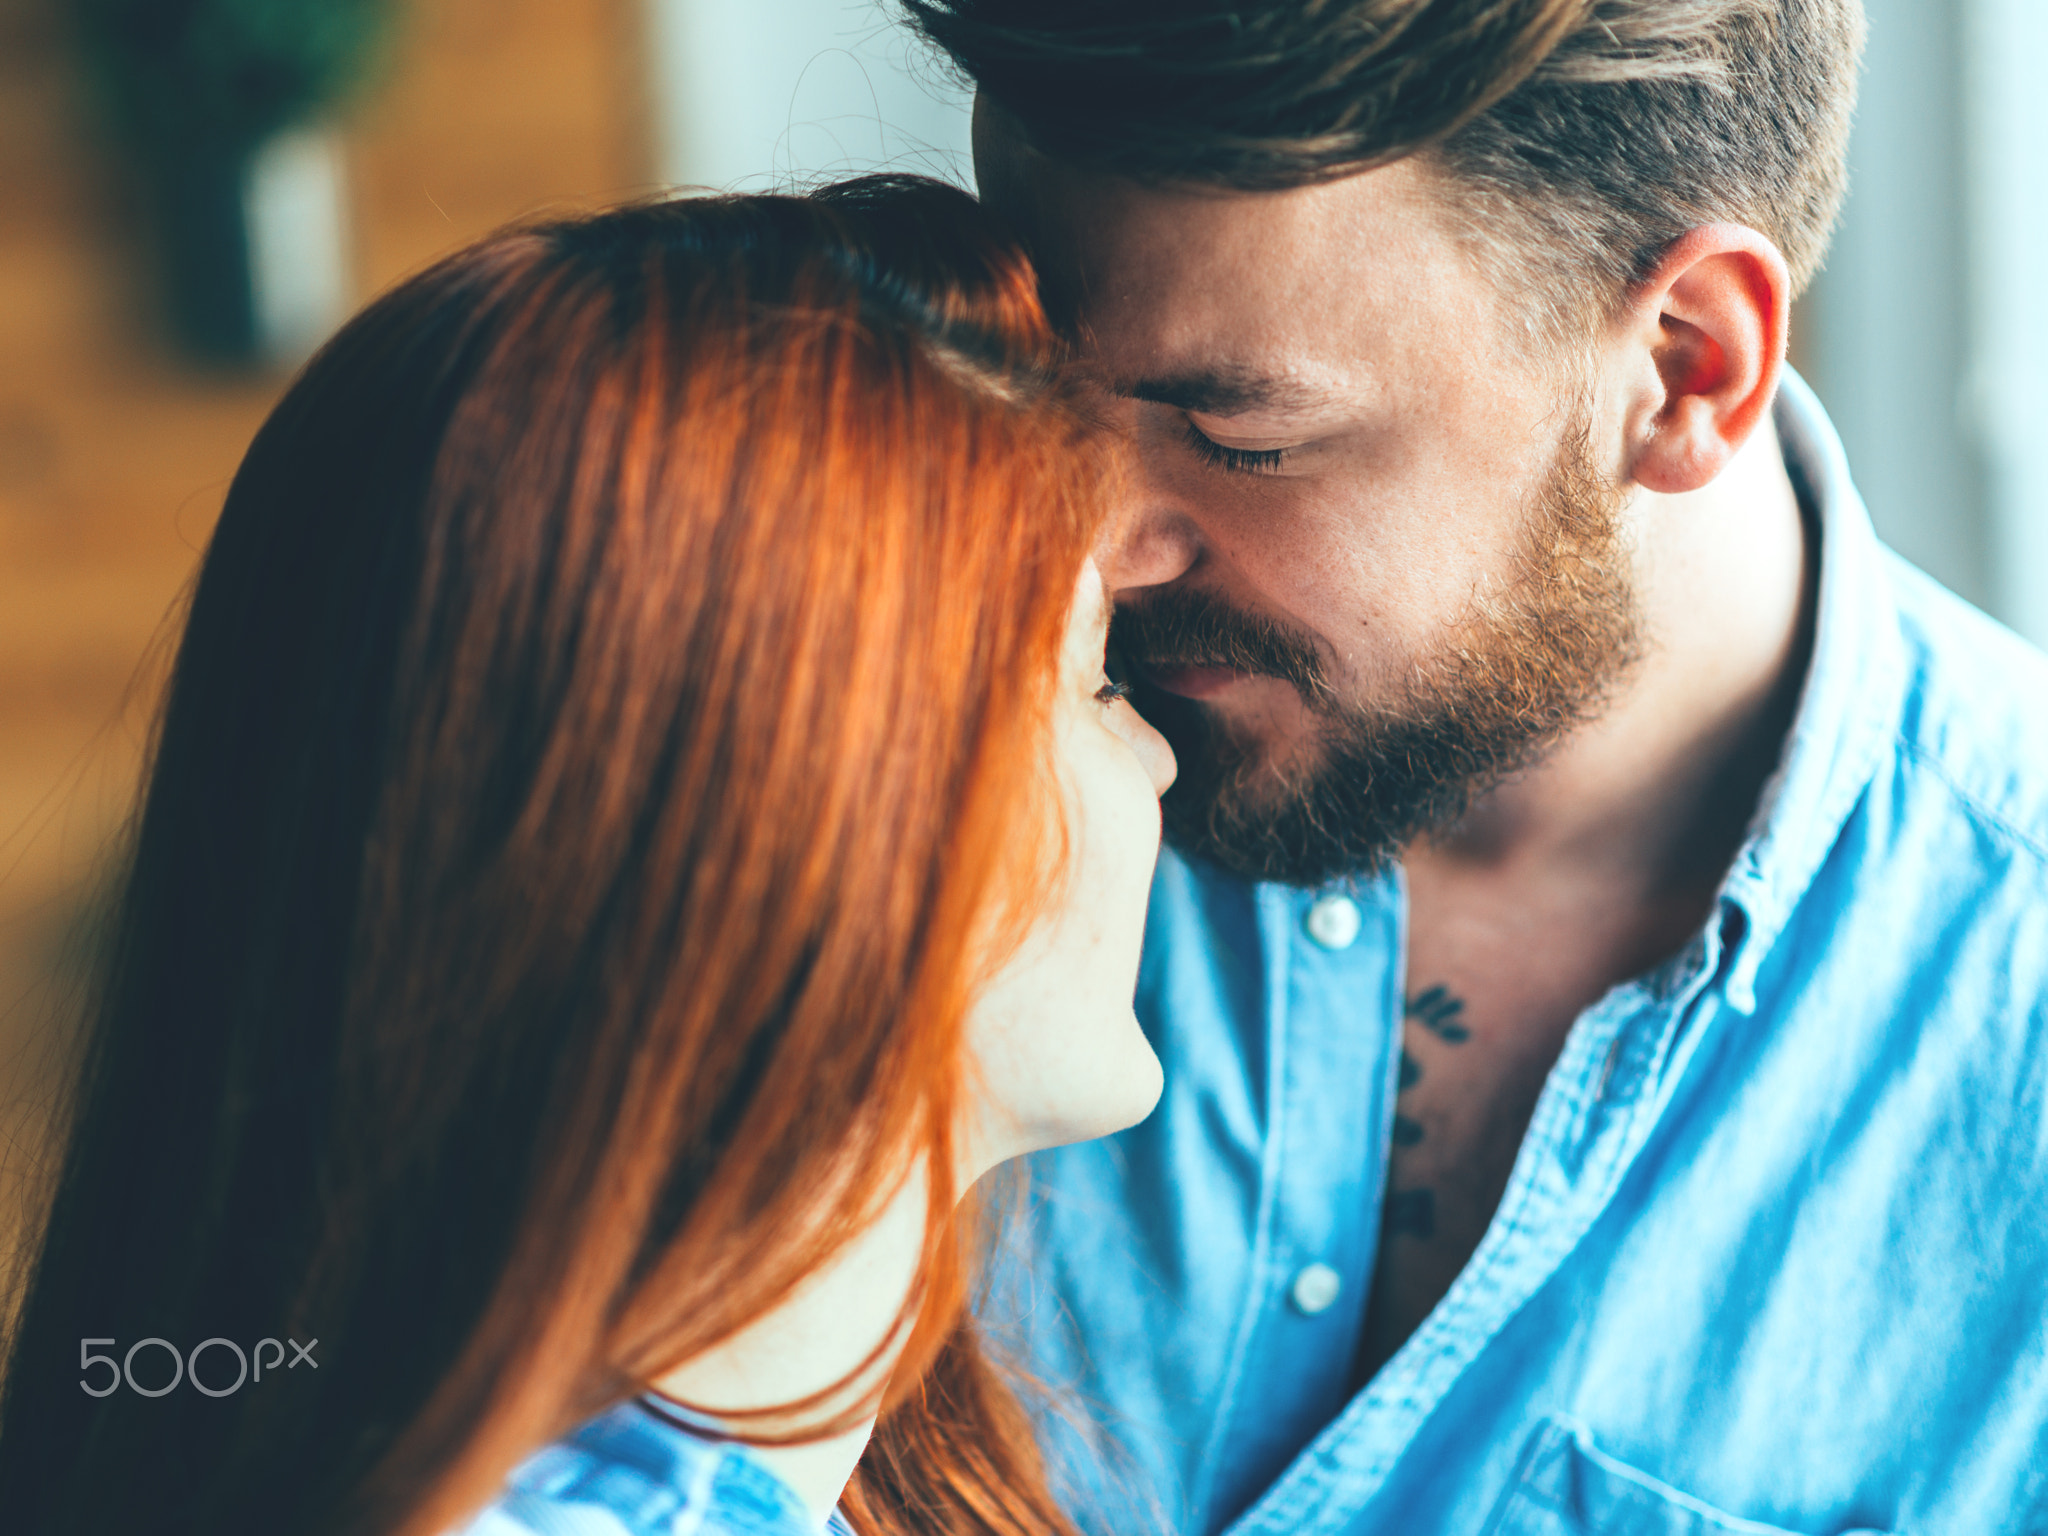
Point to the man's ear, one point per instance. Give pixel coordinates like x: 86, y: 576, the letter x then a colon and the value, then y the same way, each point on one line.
x: 1706, y: 334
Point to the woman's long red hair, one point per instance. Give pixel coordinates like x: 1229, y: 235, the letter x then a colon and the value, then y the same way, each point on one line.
x: 614, y: 697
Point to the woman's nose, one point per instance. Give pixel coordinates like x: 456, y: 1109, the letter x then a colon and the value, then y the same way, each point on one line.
x: 1152, y: 748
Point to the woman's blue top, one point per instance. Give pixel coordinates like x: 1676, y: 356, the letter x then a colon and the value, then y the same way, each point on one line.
x: 639, y: 1471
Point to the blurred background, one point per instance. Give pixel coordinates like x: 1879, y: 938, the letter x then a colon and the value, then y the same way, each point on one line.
x: 186, y: 209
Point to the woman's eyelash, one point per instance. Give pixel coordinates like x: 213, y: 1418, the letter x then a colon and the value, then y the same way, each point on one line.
x: 1243, y: 461
x: 1109, y: 693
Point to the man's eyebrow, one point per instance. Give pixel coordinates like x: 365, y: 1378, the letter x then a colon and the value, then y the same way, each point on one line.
x: 1225, y: 392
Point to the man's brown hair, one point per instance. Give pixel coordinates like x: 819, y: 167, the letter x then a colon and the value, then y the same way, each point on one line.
x: 1579, y: 137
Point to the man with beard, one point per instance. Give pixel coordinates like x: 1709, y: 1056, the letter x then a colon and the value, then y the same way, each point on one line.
x: 1602, y: 967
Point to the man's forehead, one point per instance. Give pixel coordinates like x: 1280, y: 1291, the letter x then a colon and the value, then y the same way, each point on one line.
x: 1208, y: 319
x: 1083, y: 208
x: 1226, y: 303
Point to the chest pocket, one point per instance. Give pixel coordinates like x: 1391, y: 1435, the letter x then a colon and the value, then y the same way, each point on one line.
x: 1568, y: 1487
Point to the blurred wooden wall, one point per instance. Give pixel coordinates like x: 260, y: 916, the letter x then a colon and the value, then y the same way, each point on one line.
x: 114, y: 457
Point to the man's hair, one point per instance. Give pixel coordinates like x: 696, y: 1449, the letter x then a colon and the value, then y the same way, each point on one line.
x: 1579, y: 137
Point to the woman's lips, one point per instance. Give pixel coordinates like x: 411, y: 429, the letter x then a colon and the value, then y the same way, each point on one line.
x: 1193, y: 682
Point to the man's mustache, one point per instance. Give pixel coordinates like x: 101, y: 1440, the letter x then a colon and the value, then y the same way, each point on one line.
x: 1183, y: 628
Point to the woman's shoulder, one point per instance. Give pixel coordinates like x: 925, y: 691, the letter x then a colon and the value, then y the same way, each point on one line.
x: 639, y: 1471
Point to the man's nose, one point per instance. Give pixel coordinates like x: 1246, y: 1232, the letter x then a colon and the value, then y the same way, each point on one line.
x: 1155, y: 543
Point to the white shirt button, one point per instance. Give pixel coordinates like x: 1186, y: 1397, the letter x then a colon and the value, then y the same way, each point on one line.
x: 1333, y: 922
x: 1315, y: 1289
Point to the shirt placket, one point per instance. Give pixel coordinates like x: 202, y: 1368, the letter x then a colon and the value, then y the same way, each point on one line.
x: 1596, y: 1110
x: 1336, y: 970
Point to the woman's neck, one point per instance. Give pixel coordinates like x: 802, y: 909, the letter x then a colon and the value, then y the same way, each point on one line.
x: 834, y: 1322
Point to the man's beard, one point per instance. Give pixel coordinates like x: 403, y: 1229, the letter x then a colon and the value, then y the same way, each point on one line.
x: 1517, y: 672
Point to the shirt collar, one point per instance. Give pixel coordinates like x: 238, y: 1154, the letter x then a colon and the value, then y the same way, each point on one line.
x: 1849, y: 709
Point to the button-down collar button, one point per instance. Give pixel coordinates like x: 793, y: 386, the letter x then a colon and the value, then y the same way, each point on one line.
x: 1333, y: 922
x: 1315, y: 1288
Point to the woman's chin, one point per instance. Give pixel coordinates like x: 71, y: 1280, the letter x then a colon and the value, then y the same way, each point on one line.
x: 1147, y: 1083
x: 1117, y: 1085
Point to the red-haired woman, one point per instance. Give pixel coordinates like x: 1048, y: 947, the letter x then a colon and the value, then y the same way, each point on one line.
x: 638, y: 826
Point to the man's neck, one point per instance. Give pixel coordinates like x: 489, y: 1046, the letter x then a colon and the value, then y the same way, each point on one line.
x: 1651, y: 798
x: 1590, y: 869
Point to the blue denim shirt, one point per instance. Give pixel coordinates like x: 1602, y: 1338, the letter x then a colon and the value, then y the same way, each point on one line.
x: 635, y: 1471
x: 1774, y: 1254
